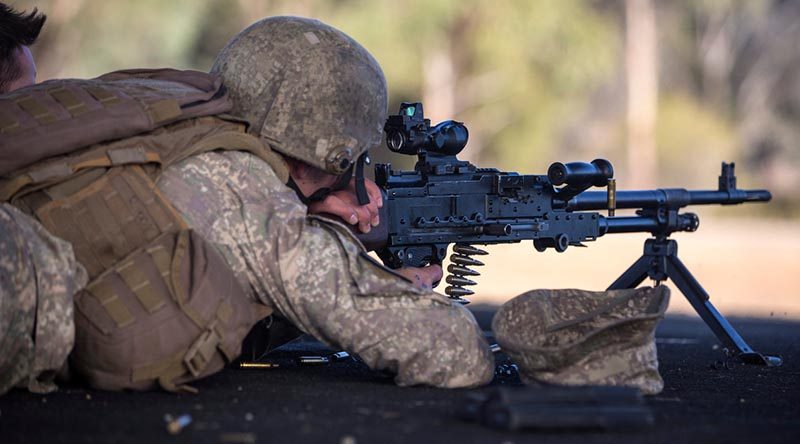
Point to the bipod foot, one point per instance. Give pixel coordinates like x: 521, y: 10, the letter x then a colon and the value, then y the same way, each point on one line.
x: 756, y: 358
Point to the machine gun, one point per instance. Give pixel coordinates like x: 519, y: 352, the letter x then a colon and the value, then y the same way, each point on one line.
x: 446, y: 201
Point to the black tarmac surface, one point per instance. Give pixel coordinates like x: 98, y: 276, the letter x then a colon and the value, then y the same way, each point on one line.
x: 345, y: 403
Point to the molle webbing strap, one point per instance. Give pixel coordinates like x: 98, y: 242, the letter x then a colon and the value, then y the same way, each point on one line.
x: 61, y: 116
x: 7, y: 123
x: 107, y: 227
x: 50, y: 172
x: 102, y: 95
x: 160, y: 148
x: 54, y: 172
x: 76, y: 183
x: 123, y: 156
x: 161, y: 258
x: 104, y: 292
x: 144, y: 289
x: 69, y: 100
x: 167, y: 313
x: 36, y: 109
x: 163, y: 111
x: 145, y: 274
x: 111, y: 217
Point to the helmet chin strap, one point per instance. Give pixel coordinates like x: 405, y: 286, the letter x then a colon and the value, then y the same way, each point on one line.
x: 341, y: 183
x: 361, y: 189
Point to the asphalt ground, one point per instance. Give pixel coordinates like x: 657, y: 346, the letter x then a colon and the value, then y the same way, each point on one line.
x: 706, y: 399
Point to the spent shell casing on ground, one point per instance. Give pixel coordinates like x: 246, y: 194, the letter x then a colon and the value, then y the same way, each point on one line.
x: 339, y: 356
x: 257, y: 365
x: 313, y: 360
x: 176, y: 425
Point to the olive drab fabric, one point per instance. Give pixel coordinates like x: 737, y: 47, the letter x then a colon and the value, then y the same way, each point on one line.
x: 149, y: 275
x: 167, y: 314
x: 577, y: 337
x: 309, y: 90
x: 38, y: 277
x: 60, y: 116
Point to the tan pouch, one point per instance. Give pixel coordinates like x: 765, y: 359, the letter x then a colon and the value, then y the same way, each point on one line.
x: 167, y: 314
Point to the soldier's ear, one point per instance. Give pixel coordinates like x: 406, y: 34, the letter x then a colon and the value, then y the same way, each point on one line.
x: 297, y: 169
x: 300, y: 170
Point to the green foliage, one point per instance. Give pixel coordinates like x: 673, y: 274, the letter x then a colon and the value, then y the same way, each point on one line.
x: 533, y: 80
x: 693, y: 142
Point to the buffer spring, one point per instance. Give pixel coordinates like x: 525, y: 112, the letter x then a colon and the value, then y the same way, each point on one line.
x: 461, y: 260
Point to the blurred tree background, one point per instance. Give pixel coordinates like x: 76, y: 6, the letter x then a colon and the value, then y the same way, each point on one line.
x: 664, y: 89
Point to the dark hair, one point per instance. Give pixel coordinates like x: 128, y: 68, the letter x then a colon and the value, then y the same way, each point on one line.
x: 17, y: 29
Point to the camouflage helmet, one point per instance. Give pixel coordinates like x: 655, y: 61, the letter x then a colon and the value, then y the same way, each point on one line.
x: 576, y: 337
x: 307, y: 89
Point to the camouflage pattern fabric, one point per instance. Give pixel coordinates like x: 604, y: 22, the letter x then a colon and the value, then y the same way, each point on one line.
x: 577, y: 337
x: 38, y: 278
x: 308, y: 89
x: 318, y: 276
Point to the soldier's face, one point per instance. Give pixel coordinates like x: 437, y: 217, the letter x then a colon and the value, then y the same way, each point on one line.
x: 311, y: 179
x: 24, y: 59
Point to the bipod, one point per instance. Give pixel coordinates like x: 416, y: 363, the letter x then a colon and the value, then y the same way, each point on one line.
x: 660, y: 262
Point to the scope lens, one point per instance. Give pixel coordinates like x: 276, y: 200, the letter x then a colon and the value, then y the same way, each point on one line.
x: 395, y: 141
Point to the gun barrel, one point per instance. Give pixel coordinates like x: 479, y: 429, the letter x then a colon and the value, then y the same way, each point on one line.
x: 627, y: 224
x: 669, y: 197
x: 648, y: 224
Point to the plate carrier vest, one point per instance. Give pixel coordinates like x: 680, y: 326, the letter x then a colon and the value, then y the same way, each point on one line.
x: 162, y: 307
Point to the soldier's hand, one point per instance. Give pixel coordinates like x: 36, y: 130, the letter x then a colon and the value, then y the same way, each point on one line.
x: 424, y: 277
x: 344, y: 204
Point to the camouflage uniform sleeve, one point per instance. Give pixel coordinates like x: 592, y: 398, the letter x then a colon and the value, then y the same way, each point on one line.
x: 38, y: 278
x: 317, y: 275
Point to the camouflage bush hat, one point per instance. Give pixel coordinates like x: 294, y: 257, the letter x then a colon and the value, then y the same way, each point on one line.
x: 309, y: 90
x: 576, y: 337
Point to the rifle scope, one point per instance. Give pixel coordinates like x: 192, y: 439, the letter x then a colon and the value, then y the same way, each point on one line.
x: 409, y: 132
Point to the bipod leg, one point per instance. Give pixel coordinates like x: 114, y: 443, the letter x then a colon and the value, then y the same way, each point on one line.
x: 659, y: 262
x: 634, y: 275
x: 699, y: 299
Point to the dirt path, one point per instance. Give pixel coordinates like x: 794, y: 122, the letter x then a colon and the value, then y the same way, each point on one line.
x: 749, y: 267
